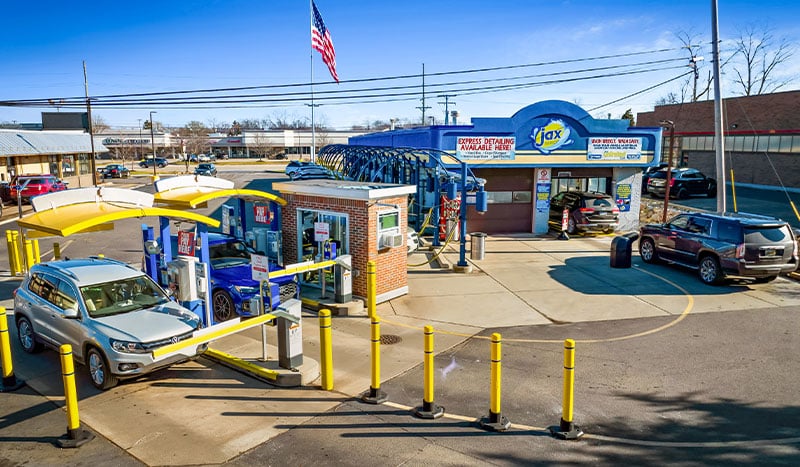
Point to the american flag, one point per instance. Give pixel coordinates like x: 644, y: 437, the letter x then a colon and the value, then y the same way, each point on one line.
x: 321, y: 41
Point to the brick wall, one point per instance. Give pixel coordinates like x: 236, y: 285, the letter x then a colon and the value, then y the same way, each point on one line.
x: 362, y: 227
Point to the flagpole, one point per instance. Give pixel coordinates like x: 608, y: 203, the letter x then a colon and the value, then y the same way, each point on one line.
x: 313, y: 131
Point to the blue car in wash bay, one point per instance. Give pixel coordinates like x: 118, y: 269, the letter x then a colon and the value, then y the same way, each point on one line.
x: 232, y: 285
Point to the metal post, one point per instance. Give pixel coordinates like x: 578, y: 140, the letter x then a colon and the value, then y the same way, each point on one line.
x: 75, y: 437
x: 37, y: 256
x: 567, y: 429
x: 29, y: 261
x: 56, y: 251
x: 462, y: 251
x: 496, y: 421
x: 669, y: 168
x: 153, y: 145
x: 429, y: 409
x: 10, y: 245
x: 16, y: 252
x: 9, y: 382
x: 375, y: 395
x: 326, y: 350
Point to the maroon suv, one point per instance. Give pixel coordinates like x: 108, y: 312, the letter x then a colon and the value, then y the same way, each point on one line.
x: 34, y: 185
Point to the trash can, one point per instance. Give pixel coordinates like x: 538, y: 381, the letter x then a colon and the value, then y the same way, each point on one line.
x: 621, y: 250
x: 477, y: 243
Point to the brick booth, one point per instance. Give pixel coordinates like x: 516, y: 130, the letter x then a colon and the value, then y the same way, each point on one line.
x: 367, y: 220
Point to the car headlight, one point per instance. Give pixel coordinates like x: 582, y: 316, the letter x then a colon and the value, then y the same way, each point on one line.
x: 245, y: 290
x: 127, y: 347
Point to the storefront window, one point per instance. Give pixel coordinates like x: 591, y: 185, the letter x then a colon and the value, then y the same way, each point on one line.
x: 67, y: 166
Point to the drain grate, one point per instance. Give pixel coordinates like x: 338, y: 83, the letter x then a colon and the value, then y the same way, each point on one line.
x: 389, y: 339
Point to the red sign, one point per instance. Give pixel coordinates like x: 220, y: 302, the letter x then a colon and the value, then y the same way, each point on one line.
x: 565, y: 220
x: 186, y: 243
x: 448, y: 211
x: 262, y: 214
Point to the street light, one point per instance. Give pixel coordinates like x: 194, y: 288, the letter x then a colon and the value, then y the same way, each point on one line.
x: 141, y: 151
x: 153, y: 144
x: 671, y: 126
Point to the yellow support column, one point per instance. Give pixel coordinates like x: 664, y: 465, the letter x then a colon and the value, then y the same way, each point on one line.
x: 28, y: 255
x: 75, y: 437
x: 372, y: 288
x: 37, y: 257
x: 56, y: 251
x: 428, y: 409
x: 17, y: 252
x: 326, y: 350
x: 10, y: 382
x: 496, y: 421
x: 13, y: 267
x: 375, y: 395
x: 567, y: 429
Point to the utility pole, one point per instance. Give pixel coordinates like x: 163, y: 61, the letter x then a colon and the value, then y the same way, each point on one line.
x: 446, y: 103
x: 92, y: 165
x: 423, y: 107
x: 693, y: 59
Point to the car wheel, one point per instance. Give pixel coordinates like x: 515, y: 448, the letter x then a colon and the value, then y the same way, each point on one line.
x: 710, y: 271
x: 647, y: 250
x: 764, y: 280
x: 571, y: 228
x: 224, y: 309
x: 682, y: 193
x: 27, y: 338
x: 99, y: 372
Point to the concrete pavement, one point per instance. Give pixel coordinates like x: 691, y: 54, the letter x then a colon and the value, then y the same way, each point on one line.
x: 535, y: 291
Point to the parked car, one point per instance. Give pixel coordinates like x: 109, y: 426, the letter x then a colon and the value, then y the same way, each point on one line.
x: 684, y: 182
x: 232, y: 284
x: 312, y: 172
x: 115, y: 171
x: 160, y: 162
x: 206, y: 158
x: 207, y: 169
x: 25, y: 187
x: 589, y: 211
x: 112, y: 315
x: 294, y: 166
x: 649, y: 171
x: 723, y: 245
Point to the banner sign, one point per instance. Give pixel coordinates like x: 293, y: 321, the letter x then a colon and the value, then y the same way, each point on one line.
x: 614, y: 149
x: 322, y: 231
x: 186, y: 243
x: 485, y: 147
x: 262, y: 214
x: 260, y: 267
x: 624, y: 196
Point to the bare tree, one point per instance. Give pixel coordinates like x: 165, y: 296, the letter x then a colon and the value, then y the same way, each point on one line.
x: 758, y: 60
x: 195, y: 135
x: 99, y: 125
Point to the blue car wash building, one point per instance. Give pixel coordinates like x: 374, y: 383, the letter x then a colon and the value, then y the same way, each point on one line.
x: 542, y: 150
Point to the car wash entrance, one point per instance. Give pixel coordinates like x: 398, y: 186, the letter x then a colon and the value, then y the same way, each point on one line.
x: 581, y: 179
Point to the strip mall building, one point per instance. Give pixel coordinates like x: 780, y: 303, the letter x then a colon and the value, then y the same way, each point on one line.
x: 543, y: 149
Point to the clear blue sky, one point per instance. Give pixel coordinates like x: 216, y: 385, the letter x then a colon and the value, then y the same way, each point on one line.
x: 137, y: 47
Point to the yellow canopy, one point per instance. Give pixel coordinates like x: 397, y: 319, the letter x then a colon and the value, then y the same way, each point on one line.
x: 195, y: 196
x: 86, y: 217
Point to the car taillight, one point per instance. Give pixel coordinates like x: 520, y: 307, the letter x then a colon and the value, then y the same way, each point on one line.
x: 586, y: 210
x: 671, y: 182
x: 740, y: 251
x: 615, y: 210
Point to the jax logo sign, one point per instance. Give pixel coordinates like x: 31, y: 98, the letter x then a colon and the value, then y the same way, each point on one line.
x: 551, y: 136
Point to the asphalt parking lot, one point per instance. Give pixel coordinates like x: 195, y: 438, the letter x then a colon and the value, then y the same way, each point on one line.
x: 668, y: 370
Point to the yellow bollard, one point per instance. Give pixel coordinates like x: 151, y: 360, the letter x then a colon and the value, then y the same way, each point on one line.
x: 56, y: 251
x: 75, y: 437
x: 326, y: 350
x: 17, y: 249
x: 372, y: 288
x: 428, y: 409
x: 567, y: 429
x: 28, y: 254
x: 10, y: 382
x: 37, y: 256
x: 496, y: 421
x: 375, y: 395
x: 12, y: 264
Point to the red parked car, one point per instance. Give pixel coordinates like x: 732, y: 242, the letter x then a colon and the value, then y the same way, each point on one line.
x: 34, y: 185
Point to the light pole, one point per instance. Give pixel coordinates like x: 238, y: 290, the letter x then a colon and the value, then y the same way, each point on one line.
x: 671, y: 125
x: 141, y: 151
x: 153, y: 144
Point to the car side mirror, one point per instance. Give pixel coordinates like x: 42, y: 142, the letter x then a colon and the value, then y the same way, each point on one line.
x: 72, y: 313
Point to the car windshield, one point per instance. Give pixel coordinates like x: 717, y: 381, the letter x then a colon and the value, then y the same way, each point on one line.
x: 122, y: 296
x: 229, y: 254
x: 204, y: 166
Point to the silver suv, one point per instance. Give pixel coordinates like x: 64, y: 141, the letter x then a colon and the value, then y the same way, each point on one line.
x: 113, y: 315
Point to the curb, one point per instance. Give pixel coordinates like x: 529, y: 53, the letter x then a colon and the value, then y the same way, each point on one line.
x: 276, y: 376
